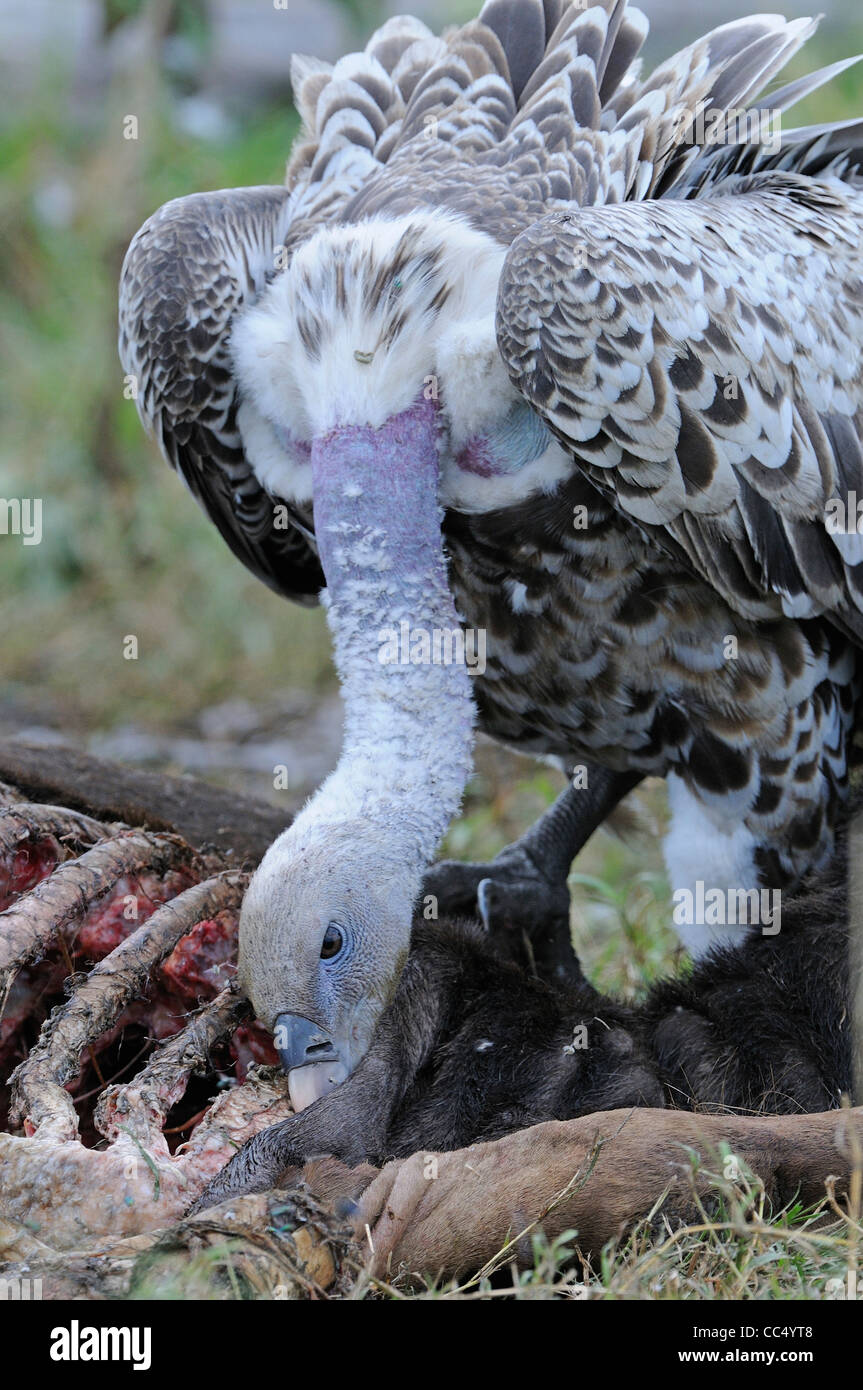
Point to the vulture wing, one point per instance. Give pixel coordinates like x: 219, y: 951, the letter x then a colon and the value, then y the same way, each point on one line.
x: 187, y: 271
x: 702, y: 358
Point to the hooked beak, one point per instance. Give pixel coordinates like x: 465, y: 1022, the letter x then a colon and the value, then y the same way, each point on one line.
x: 310, y: 1058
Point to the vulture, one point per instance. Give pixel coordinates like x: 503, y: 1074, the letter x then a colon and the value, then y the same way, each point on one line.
x: 474, y: 1047
x: 543, y: 374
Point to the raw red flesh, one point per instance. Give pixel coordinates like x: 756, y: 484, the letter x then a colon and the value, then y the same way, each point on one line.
x: 251, y: 1045
x: 27, y: 866
x: 131, y: 901
x: 203, y: 962
x: 200, y: 966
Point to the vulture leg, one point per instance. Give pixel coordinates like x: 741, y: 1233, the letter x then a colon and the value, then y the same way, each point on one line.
x: 522, y: 895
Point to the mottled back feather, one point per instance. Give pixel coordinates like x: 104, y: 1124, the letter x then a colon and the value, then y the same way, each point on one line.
x: 533, y: 110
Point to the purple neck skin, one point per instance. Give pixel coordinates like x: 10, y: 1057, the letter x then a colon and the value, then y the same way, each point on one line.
x: 382, y: 481
x: 408, y: 728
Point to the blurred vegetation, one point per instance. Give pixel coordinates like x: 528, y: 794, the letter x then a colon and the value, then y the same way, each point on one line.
x: 125, y: 548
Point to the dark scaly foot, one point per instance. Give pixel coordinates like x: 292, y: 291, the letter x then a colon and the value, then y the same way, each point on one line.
x: 522, y: 894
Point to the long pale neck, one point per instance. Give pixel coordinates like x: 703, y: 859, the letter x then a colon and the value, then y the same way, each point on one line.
x: 408, y: 733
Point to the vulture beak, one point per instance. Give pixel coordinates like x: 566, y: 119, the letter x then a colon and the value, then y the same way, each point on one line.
x: 310, y: 1058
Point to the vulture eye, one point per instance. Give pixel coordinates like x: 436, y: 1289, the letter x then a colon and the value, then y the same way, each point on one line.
x: 332, y: 942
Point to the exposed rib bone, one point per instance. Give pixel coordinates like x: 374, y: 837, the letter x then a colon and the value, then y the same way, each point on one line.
x: 29, y: 926
x: 29, y: 820
x: 140, y: 1107
x: 37, y: 1084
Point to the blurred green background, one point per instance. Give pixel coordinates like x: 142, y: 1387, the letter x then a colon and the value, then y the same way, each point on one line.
x: 228, y: 677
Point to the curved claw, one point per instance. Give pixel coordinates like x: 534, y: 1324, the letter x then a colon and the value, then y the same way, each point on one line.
x: 523, y: 909
x: 454, y: 884
x: 485, y: 902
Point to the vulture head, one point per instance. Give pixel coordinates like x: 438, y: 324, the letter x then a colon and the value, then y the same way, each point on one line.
x: 323, y: 938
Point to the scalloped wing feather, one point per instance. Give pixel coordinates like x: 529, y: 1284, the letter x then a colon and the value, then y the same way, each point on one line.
x: 704, y: 362
x: 184, y: 274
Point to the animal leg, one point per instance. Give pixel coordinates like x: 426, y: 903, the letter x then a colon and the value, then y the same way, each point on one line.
x: 522, y: 895
x: 599, y: 1174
